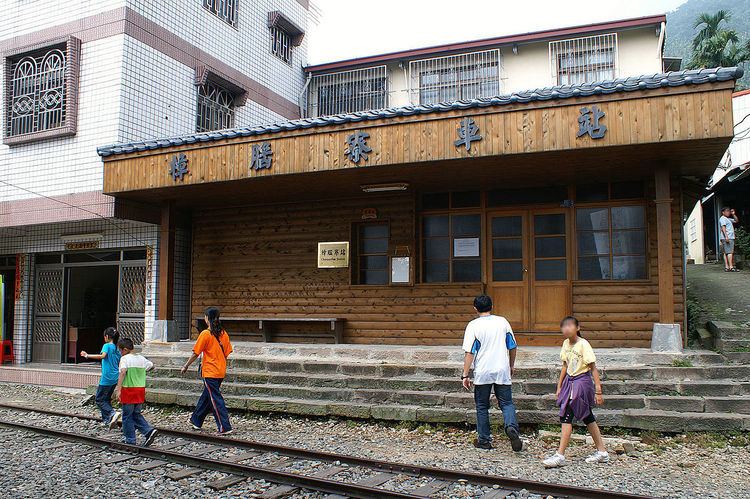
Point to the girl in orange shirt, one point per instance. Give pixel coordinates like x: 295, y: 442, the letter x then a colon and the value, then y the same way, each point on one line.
x: 213, y: 343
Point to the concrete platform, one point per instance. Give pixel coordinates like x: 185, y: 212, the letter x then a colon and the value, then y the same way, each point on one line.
x: 642, y: 390
x: 60, y: 375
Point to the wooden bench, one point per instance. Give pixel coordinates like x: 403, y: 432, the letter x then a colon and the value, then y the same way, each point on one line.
x: 265, y: 325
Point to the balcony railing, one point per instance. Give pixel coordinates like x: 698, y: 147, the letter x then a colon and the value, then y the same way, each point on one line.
x: 348, y: 91
x: 583, y: 60
x: 455, y: 77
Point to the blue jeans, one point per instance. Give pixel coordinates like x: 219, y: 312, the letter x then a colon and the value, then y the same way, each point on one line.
x: 504, y: 396
x: 104, y: 401
x: 132, y: 419
x: 211, y: 401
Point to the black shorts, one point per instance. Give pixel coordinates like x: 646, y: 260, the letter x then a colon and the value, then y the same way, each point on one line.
x: 567, y: 418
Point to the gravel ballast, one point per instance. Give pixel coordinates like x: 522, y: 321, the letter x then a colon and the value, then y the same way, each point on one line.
x: 682, y: 466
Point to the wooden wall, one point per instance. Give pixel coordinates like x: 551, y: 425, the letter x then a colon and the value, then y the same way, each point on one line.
x: 262, y: 260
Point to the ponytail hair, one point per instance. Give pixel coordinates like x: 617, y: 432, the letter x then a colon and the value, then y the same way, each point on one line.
x: 572, y: 319
x: 112, y: 334
x: 214, y: 323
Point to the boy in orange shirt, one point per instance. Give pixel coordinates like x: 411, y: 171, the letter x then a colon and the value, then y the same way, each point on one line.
x: 214, y: 344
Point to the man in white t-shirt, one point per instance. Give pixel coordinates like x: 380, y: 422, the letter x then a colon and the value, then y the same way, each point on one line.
x: 726, y: 225
x: 490, y: 346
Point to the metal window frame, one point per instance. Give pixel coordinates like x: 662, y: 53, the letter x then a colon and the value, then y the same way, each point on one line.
x: 579, y: 47
x: 226, y: 10
x: 71, y: 47
x: 350, y: 82
x: 281, y: 44
x: 222, y: 114
x: 456, y: 64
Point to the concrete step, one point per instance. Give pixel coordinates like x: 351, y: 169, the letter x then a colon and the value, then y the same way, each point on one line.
x: 462, y: 399
x: 410, y: 355
x: 738, y: 357
x: 257, y: 369
x: 684, y: 385
x: 647, y: 419
x: 728, y: 345
x: 728, y: 331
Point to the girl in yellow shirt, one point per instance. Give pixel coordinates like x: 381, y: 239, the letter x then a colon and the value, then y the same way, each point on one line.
x: 578, y: 390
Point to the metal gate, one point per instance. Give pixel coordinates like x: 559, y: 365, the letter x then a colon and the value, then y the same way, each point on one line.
x: 48, y: 324
x: 132, y: 303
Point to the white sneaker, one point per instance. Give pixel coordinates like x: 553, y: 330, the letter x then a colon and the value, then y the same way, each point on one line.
x: 115, y: 419
x: 554, y: 461
x: 598, y: 457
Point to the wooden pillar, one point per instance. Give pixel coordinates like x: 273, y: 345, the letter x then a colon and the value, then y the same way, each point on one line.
x: 166, y: 263
x: 663, y: 202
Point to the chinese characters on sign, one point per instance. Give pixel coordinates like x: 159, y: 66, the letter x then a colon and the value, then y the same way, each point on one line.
x: 588, y: 123
x: 261, y: 156
x: 333, y: 255
x: 468, y: 132
x: 178, y: 166
x: 357, y: 146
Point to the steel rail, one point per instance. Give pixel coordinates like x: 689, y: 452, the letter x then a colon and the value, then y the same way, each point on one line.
x: 271, y: 475
x: 543, y: 488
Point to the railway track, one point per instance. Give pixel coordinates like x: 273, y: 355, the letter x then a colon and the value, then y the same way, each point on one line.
x: 293, y: 469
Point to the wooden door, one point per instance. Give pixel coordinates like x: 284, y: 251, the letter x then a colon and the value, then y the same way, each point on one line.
x: 529, y: 267
x: 508, y: 262
x: 549, y: 270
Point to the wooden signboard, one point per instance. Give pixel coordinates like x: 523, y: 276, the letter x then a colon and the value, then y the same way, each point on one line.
x: 333, y: 255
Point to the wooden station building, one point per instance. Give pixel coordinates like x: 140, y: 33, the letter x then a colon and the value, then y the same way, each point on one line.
x: 564, y: 200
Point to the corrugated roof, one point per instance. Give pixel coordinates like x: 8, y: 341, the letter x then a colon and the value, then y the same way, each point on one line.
x: 630, y: 84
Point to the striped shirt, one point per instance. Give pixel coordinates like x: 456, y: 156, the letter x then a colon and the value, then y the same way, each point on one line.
x: 134, y: 385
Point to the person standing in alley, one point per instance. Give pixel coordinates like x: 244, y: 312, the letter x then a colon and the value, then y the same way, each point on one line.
x: 726, y: 225
x: 489, y: 345
x: 213, y: 343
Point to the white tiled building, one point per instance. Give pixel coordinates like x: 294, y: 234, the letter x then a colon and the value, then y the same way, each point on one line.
x: 80, y: 74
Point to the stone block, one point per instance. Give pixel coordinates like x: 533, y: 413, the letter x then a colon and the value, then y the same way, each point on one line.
x: 169, y: 398
x: 319, y: 367
x: 393, y: 371
x: 666, y: 338
x: 258, y: 404
x: 732, y: 405
x: 236, y: 403
x: 443, y: 372
x: 435, y: 415
x: 164, y: 331
x: 715, y: 388
x: 678, y: 404
x: 283, y: 366
x: 732, y: 345
x: 459, y: 400
x: 539, y: 387
x: 360, y: 369
x: 307, y: 407
x: 394, y: 412
x: 627, y: 373
x: 674, y: 422
x: 728, y: 331
x: 738, y: 357
x: 418, y: 398
x: 349, y: 410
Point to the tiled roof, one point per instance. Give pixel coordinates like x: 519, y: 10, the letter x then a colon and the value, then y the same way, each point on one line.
x: 630, y: 84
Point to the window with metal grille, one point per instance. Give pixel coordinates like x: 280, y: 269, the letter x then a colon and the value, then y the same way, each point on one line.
x: 455, y: 77
x: 37, y: 94
x: 226, y: 10
x: 371, y: 265
x: 348, y: 91
x: 584, y: 60
x: 281, y: 44
x: 215, y: 108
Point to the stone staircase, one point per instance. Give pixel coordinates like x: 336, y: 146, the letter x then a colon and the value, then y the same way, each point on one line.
x: 731, y: 339
x: 642, y: 390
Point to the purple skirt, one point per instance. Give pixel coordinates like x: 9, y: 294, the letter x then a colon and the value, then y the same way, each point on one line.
x: 583, y: 395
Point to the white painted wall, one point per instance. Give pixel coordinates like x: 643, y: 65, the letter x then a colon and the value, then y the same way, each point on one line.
x: 693, y: 235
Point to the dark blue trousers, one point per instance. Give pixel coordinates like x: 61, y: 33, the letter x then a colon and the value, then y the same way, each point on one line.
x: 211, y: 402
x: 104, y: 401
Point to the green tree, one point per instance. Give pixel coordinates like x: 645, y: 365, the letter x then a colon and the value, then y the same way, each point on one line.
x: 714, y: 45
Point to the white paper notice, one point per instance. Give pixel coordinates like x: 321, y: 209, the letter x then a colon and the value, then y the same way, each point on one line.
x: 468, y: 246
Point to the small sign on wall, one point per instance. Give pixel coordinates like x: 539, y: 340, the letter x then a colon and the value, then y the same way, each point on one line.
x: 81, y: 245
x: 467, y: 246
x: 400, y: 270
x: 333, y: 255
